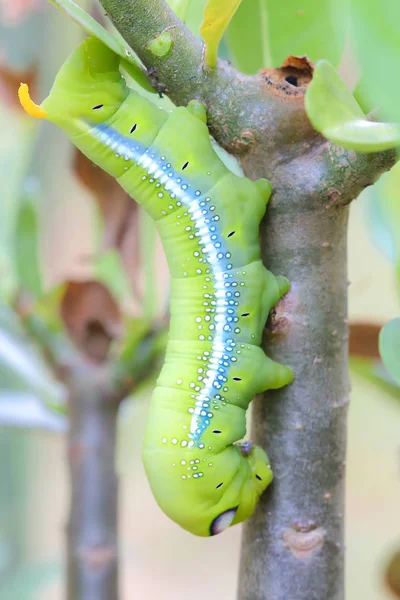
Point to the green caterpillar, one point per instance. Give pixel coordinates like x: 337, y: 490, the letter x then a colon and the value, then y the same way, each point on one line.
x: 208, y: 219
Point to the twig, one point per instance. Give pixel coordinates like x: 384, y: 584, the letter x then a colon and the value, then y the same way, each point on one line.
x: 294, y: 546
x: 95, y: 397
x: 92, y: 528
x: 95, y: 392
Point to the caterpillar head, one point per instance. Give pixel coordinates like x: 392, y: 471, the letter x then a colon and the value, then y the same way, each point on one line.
x: 244, y: 490
x: 88, y: 89
x: 213, y: 494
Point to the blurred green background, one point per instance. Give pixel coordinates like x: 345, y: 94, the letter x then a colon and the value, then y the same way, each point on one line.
x: 52, y: 214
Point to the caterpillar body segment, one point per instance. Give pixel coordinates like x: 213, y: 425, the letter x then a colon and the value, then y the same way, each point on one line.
x: 221, y: 294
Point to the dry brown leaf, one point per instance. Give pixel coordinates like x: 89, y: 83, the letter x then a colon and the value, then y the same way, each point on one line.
x: 9, y: 84
x: 119, y: 211
x: 113, y: 202
x: 91, y: 317
x: 393, y: 574
x: 364, y: 339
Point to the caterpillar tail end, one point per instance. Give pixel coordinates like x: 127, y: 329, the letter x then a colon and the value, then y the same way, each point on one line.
x: 34, y: 110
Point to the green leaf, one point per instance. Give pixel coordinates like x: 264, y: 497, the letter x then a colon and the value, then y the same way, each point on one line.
x: 22, y: 368
x: 24, y: 410
x: 389, y: 348
x: 382, y: 205
x: 180, y: 8
x: 17, y: 138
x: 116, y: 44
x: 194, y: 17
x: 109, y: 269
x: 247, y: 37
x: 334, y: 112
x: 138, y: 352
x: 360, y: 93
x: 217, y: 16
x: 375, y: 372
x: 263, y: 33
x: 47, y: 307
x: 365, y: 136
x: 136, y: 329
x: 316, y: 28
x: 328, y: 90
x: 26, y: 247
x: 376, y: 39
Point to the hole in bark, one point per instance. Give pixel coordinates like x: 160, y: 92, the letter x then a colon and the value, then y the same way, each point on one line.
x: 292, y: 79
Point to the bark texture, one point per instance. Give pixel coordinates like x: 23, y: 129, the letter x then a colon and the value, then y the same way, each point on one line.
x: 293, y: 546
x: 92, y: 528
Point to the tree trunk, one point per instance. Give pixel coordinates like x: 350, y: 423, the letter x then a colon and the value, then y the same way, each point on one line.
x: 293, y: 547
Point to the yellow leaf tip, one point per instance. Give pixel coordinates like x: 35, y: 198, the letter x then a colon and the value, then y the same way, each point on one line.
x: 27, y: 103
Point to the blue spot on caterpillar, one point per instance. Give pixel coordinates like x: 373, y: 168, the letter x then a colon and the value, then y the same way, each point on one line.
x: 221, y: 294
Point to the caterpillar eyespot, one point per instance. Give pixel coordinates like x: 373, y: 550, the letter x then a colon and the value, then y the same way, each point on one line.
x: 214, y: 278
x: 223, y: 521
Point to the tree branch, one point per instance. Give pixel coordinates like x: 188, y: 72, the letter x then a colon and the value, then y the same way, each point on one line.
x: 257, y: 106
x: 245, y: 112
x: 92, y: 528
x: 95, y: 394
x: 56, y: 348
x: 293, y: 547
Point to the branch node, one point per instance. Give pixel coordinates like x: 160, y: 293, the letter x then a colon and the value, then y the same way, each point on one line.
x: 304, y: 539
x: 97, y: 557
x: 161, y: 44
